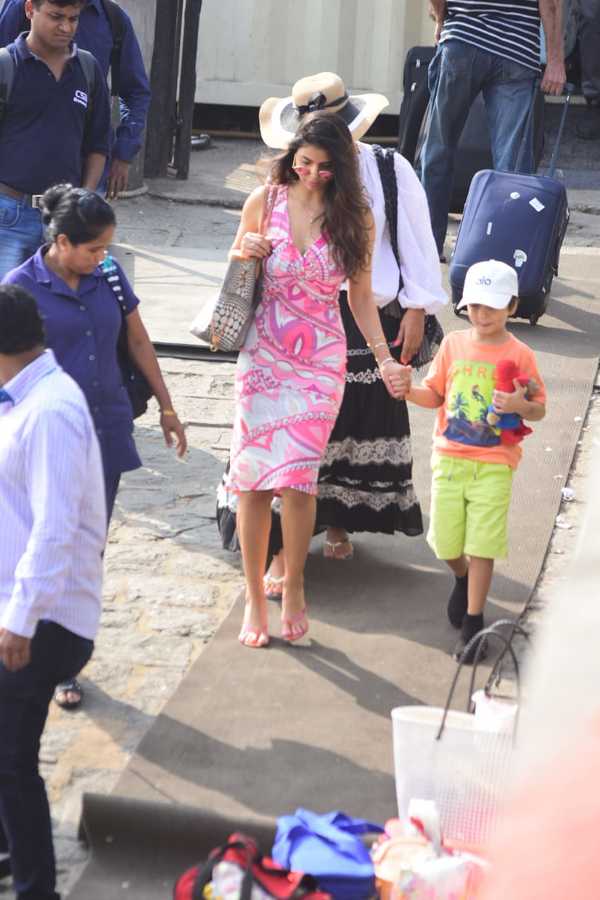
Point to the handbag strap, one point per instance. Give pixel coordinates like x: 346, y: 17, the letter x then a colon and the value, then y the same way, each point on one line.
x: 269, y: 200
x: 110, y: 270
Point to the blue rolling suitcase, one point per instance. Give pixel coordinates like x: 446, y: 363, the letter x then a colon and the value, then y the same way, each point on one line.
x: 519, y: 219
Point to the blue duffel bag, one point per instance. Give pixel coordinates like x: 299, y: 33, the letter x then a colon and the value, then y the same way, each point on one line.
x: 328, y: 847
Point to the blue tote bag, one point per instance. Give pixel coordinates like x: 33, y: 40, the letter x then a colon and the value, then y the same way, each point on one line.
x: 328, y: 847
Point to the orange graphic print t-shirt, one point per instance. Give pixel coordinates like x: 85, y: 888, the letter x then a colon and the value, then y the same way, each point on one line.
x: 463, y: 373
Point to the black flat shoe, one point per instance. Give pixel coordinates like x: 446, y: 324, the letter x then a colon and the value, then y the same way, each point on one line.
x: 469, y: 646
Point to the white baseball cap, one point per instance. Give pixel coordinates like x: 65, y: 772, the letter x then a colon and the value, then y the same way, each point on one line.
x: 490, y: 283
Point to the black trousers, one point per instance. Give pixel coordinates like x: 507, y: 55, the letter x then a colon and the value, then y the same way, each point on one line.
x: 589, y: 48
x: 56, y: 656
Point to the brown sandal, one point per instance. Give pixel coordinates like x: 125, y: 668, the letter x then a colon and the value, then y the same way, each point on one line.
x: 330, y: 550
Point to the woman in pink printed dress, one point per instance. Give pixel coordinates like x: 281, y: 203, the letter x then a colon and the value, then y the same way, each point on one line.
x: 290, y: 373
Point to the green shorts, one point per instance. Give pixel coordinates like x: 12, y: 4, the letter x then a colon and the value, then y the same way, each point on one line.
x: 469, y: 508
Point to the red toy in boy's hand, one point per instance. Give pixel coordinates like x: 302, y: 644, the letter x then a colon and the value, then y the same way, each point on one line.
x: 512, y: 429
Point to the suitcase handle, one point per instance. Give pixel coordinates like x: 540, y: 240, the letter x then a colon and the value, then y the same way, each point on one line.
x: 567, y: 92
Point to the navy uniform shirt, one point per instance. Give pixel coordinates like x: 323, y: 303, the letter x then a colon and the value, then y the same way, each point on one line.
x: 45, y: 136
x: 94, y: 34
x: 82, y: 328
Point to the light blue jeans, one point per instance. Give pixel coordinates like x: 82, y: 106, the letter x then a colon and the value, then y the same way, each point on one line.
x: 21, y: 233
x: 457, y: 73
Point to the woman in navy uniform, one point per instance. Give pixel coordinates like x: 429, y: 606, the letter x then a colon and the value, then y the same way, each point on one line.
x: 82, y: 320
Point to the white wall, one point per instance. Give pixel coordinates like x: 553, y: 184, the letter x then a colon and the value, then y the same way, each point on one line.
x: 253, y: 49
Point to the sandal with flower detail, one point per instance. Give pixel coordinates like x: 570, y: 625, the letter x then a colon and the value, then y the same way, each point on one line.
x: 273, y: 586
x: 253, y: 637
x: 331, y: 550
x: 294, y: 627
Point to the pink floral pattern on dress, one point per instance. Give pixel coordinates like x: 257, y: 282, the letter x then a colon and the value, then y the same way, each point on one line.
x: 289, y: 379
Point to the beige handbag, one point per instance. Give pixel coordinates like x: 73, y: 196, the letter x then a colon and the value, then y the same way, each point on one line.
x: 225, y: 321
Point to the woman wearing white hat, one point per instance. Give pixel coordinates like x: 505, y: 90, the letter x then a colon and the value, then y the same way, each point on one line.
x: 290, y: 372
x: 365, y: 482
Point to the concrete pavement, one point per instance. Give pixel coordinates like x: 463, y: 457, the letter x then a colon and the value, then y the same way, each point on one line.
x: 158, y: 616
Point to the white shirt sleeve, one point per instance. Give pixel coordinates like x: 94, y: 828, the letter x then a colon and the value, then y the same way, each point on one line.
x: 420, y: 265
x: 56, y: 453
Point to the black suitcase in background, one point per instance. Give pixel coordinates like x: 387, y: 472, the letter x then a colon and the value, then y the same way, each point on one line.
x: 474, y: 148
x: 415, y: 99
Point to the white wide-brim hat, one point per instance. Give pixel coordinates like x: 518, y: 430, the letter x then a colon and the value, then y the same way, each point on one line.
x: 280, y: 117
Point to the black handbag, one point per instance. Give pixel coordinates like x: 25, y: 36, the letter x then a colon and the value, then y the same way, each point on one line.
x: 433, y: 333
x: 135, y: 382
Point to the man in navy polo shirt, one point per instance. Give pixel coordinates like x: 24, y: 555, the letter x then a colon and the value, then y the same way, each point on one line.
x: 46, y: 135
x: 95, y: 34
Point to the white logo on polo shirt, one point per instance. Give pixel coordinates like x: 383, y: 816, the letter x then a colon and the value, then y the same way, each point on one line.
x: 81, y: 97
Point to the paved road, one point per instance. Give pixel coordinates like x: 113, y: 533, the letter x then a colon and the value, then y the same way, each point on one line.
x: 168, y: 583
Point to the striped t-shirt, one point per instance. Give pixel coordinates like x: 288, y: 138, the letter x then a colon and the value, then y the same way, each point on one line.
x: 509, y: 28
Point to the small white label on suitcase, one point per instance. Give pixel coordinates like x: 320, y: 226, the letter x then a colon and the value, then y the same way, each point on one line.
x: 488, y: 230
x: 520, y: 258
x: 537, y: 204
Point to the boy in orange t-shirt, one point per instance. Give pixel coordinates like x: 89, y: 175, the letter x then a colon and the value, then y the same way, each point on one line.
x: 472, y: 467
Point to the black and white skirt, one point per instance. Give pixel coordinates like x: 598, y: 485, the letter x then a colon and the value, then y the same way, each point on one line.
x: 365, y: 481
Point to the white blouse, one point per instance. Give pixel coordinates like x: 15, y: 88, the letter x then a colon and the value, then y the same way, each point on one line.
x: 421, y: 271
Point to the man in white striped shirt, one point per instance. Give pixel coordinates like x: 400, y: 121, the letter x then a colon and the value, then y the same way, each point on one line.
x: 492, y: 47
x: 52, y: 535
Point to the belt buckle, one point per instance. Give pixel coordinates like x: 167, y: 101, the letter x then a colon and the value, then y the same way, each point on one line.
x: 36, y: 201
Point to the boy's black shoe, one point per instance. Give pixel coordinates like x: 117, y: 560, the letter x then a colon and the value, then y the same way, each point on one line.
x: 4, y: 866
x: 457, y: 602
x: 471, y: 626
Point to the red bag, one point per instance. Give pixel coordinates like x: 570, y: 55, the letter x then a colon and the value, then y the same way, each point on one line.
x: 241, y: 850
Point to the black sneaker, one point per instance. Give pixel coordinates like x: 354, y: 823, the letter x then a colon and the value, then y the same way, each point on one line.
x: 457, y: 601
x: 471, y: 626
x: 589, y: 128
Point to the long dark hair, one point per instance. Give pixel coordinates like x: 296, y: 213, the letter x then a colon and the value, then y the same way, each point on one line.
x: 80, y: 214
x: 344, y: 199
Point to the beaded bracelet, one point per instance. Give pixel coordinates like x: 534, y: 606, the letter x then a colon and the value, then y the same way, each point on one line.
x: 168, y: 412
x: 384, y: 362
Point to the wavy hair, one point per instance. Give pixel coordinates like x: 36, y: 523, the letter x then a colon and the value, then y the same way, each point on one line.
x: 344, y: 199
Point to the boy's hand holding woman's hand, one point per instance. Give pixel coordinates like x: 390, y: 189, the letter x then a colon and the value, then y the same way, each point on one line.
x: 397, y: 378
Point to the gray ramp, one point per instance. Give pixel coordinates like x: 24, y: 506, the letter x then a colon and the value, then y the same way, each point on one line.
x: 250, y: 735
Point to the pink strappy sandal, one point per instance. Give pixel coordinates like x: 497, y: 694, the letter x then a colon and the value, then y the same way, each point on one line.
x: 252, y: 637
x: 295, y: 627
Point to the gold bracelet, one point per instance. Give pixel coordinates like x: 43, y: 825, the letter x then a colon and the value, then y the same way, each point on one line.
x: 168, y: 412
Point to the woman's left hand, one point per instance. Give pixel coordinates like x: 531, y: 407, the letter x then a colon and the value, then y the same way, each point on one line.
x: 172, y: 427
x: 410, y: 334
x: 397, y: 379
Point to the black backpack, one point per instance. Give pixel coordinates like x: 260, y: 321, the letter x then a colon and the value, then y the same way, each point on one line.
x: 116, y: 20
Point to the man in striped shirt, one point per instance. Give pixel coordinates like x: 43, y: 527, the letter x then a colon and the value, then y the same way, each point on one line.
x: 493, y: 47
x: 52, y: 534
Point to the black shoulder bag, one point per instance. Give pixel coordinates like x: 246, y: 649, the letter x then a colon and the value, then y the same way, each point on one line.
x: 135, y: 382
